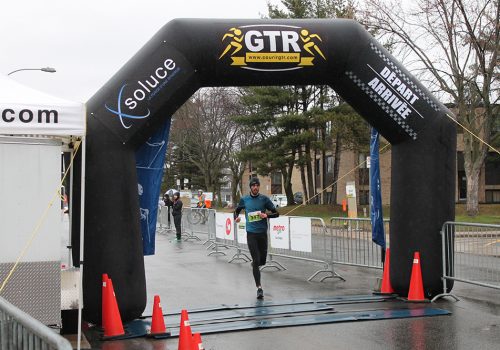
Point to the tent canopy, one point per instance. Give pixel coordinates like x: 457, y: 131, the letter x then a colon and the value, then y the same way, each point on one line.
x: 25, y: 111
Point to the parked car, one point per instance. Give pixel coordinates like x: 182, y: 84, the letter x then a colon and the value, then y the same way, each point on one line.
x: 279, y: 200
x: 298, y: 197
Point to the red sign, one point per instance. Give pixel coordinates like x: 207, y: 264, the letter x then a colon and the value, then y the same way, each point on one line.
x: 228, y: 226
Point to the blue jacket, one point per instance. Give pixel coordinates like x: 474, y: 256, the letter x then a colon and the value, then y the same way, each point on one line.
x: 252, y: 206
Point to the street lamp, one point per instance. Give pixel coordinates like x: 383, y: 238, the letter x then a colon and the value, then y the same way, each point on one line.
x: 46, y: 69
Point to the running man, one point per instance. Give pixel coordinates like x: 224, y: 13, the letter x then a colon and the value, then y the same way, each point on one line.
x: 255, y: 206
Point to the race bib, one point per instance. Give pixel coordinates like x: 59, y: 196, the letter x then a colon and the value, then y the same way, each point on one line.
x: 254, y: 216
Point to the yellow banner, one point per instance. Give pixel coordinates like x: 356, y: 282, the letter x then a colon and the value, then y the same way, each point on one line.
x: 259, y: 57
x: 238, y: 61
x: 306, y: 61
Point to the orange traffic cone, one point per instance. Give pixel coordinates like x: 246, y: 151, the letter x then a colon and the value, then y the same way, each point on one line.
x: 386, y: 287
x: 197, y: 343
x: 157, y: 321
x: 416, y: 291
x: 185, y: 335
x: 111, y: 319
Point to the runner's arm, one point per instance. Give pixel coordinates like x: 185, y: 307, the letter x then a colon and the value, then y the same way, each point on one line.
x: 270, y: 206
x: 239, y: 208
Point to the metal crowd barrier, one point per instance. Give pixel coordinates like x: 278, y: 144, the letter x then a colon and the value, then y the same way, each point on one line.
x: 471, y: 254
x: 223, y: 242
x: 351, y: 242
x: 345, y: 241
x: 198, y: 221
x: 165, y: 221
x: 18, y: 330
x: 319, y: 249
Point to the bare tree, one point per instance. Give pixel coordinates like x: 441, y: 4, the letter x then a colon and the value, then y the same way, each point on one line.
x: 456, y: 46
x: 204, y: 132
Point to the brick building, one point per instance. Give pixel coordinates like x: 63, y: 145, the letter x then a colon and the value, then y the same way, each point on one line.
x: 489, y: 186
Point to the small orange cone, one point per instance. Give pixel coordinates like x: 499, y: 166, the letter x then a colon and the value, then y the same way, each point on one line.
x: 185, y: 335
x: 386, y: 287
x: 197, y: 343
x: 157, y: 321
x: 416, y: 291
x: 111, y: 319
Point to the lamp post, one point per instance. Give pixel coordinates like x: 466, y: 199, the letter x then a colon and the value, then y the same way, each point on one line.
x: 46, y: 69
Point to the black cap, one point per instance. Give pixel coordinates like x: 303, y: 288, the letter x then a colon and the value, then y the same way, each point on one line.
x: 254, y: 181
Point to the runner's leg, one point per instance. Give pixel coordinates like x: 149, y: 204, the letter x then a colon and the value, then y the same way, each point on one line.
x: 253, y: 247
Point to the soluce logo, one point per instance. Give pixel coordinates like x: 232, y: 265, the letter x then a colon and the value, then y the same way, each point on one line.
x: 129, y: 98
x: 271, y: 47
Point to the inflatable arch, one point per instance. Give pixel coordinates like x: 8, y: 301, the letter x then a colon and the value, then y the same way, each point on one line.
x: 188, y: 54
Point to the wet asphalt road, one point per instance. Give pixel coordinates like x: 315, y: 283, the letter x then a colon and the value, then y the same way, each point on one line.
x: 185, y: 277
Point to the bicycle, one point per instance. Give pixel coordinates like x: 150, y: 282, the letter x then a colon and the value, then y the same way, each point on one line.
x: 198, y: 216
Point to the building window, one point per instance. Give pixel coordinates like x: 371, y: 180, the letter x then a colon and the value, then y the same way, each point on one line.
x: 276, y: 183
x: 328, y: 127
x: 362, y: 160
x: 329, y: 164
x: 364, y: 197
x: 492, y: 169
x: 364, y: 176
x: 492, y: 196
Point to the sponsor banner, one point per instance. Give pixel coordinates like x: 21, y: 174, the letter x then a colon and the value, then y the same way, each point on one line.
x: 24, y: 111
x: 135, y: 100
x: 150, y: 158
x: 279, y: 231
x: 300, y: 234
x: 224, y: 226
x: 376, y: 214
x: 272, y: 47
x: 241, y: 230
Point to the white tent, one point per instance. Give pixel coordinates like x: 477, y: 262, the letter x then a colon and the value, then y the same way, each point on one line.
x: 25, y: 111
x: 34, y: 128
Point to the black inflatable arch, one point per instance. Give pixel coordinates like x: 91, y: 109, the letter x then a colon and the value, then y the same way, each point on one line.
x: 187, y: 54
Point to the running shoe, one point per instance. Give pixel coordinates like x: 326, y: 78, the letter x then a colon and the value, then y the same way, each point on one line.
x: 260, y: 293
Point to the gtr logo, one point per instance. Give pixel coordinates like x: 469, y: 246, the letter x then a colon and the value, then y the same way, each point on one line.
x: 271, y: 48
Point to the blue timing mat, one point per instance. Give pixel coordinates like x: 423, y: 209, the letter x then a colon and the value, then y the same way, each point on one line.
x: 335, y: 300
x: 270, y: 314
x: 289, y: 320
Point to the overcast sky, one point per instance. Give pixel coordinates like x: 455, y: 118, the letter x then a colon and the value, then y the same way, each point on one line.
x: 87, y: 41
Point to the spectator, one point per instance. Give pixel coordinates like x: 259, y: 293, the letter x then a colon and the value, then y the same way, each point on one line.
x: 201, y: 199
x: 168, y: 203
x: 177, y: 214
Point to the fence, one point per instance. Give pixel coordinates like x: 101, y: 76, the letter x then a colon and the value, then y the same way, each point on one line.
x: 19, y: 330
x: 165, y: 221
x: 471, y: 254
x: 351, y: 242
x: 195, y: 221
x: 345, y: 241
x: 302, y: 247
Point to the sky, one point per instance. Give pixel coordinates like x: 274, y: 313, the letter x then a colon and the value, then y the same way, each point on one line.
x: 87, y: 41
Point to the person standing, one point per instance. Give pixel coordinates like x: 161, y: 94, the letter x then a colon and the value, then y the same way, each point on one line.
x: 177, y: 214
x: 168, y: 203
x: 256, y: 206
x: 201, y: 199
